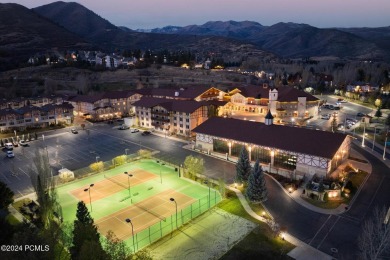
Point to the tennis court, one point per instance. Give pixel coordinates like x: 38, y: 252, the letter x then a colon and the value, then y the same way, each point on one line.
x: 144, y: 214
x: 112, y: 185
x: 147, y: 203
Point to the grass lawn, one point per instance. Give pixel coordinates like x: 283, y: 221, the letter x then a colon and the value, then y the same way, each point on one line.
x: 330, y: 204
x: 260, y: 243
x: 12, y: 220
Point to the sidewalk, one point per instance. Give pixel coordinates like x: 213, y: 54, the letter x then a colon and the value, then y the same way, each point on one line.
x: 302, y: 251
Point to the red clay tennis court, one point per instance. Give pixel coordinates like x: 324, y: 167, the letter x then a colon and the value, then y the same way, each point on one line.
x: 112, y: 185
x: 144, y: 214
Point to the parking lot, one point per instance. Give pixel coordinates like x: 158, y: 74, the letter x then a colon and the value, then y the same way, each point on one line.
x: 100, y: 142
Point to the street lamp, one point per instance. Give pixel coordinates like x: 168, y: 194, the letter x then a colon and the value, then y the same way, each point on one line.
x: 128, y: 182
x: 89, y: 192
x: 364, y: 134
x: 373, y: 143
x: 292, y: 121
x: 384, y: 149
x: 173, y: 200
x: 132, y: 230
x: 97, y: 158
x: 126, y: 150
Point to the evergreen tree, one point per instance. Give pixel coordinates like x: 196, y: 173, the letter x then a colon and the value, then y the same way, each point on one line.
x: 243, y: 166
x: 257, y: 191
x: 378, y: 112
x: 85, y: 233
x: 6, y: 196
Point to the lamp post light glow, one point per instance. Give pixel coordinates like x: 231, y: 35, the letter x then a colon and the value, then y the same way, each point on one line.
x: 364, y: 134
x: 128, y: 182
x: 384, y: 149
x: 132, y: 230
x: 89, y: 193
x: 173, y: 200
x: 97, y: 158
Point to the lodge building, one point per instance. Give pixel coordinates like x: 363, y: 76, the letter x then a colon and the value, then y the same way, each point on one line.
x: 279, y: 148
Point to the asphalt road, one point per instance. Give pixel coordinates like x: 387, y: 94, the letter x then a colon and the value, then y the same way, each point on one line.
x: 321, y: 231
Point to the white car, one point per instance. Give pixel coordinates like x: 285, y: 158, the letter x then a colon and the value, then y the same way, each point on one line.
x: 10, y: 154
x: 134, y: 130
x: 23, y: 143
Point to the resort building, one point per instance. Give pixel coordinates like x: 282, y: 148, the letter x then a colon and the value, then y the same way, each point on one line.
x: 281, y: 149
x: 109, y: 105
x: 284, y: 102
x: 170, y: 116
x: 35, y: 117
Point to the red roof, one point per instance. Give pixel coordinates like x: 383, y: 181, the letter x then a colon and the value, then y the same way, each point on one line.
x: 300, y: 140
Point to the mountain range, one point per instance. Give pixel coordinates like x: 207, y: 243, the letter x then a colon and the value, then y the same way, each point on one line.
x: 62, y: 25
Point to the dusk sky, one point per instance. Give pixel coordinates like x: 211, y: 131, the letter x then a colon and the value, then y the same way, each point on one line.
x: 148, y: 14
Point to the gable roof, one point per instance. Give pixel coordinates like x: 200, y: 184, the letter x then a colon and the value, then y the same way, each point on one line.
x: 189, y: 92
x: 185, y: 106
x: 301, y: 140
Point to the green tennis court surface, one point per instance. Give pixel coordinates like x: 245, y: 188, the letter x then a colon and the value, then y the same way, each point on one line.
x: 151, y: 195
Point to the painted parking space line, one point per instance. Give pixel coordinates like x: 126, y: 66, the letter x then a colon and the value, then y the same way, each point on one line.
x: 24, y: 172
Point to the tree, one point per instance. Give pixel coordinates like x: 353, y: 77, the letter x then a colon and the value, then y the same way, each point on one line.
x: 378, y: 112
x: 387, y: 122
x: 256, y: 191
x: 194, y: 165
x: 6, y: 196
x: 85, y: 234
x: 145, y: 154
x: 374, y: 241
x: 44, y: 186
x: 116, y: 249
x: 243, y: 166
x: 97, y: 166
x: 119, y: 160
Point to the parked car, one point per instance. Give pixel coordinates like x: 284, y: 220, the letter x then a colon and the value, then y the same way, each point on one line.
x: 325, y: 116
x: 134, y: 130
x: 9, y: 146
x: 146, y: 133
x: 74, y: 131
x: 360, y: 114
x: 123, y: 127
x: 10, y: 154
x: 23, y: 143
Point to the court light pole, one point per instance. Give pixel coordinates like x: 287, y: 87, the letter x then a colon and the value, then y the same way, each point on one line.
x: 97, y: 158
x: 89, y: 193
x: 173, y: 200
x: 126, y: 150
x: 208, y: 184
x: 128, y: 182
x: 132, y: 231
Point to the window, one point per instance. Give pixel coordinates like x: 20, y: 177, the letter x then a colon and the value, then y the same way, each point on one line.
x: 147, y: 113
x: 175, y: 124
x: 187, y: 127
x: 181, y: 125
x: 187, y: 120
x: 175, y: 118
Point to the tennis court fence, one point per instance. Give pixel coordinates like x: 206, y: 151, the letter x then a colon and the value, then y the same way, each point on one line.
x: 175, y: 221
x: 104, y: 166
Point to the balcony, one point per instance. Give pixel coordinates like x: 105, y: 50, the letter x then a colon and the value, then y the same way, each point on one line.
x: 163, y: 113
x: 161, y: 119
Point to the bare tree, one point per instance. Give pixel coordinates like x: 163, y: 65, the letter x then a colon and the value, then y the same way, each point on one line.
x: 374, y: 241
x: 44, y: 186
